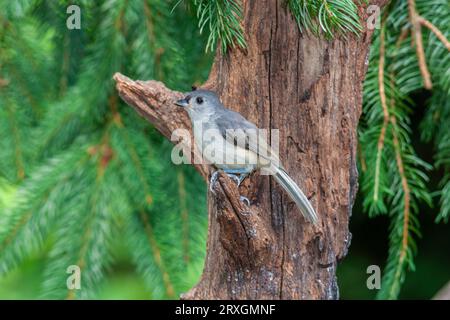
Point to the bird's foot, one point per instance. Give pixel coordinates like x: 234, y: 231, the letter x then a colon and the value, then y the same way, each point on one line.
x: 234, y: 177
x: 237, y: 179
x: 242, y: 177
x: 213, y: 180
x: 244, y: 200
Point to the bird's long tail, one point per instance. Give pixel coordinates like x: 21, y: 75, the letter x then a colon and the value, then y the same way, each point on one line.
x: 295, y: 193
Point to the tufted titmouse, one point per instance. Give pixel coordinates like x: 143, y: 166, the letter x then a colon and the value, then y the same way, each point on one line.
x: 233, y: 144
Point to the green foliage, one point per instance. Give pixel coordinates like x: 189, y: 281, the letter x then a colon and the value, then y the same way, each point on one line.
x: 222, y: 18
x: 326, y: 16
x: 397, y: 181
x: 89, y: 172
x: 435, y: 124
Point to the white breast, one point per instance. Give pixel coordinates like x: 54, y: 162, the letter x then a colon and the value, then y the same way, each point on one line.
x: 216, y: 150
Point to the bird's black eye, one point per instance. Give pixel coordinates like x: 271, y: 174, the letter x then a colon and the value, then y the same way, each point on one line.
x: 199, y: 100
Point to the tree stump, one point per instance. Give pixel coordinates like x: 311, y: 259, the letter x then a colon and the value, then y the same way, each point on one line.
x: 311, y: 90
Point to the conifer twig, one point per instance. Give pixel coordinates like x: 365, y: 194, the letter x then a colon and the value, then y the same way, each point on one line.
x: 418, y: 41
x: 435, y: 30
x: 380, y: 144
x: 18, y: 153
x: 406, y: 201
x: 402, y: 37
x: 170, y: 291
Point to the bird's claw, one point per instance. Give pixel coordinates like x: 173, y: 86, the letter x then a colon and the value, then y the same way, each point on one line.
x: 242, y: 177
x: 235, y: 178
x: 215, y: 176
x: 245, y: 200
x: 238, y: 180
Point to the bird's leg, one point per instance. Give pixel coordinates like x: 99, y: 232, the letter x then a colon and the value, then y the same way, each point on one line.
x: 234, y: 177
x: 213, y: 180
x: 242, y: 175
x: 215, y: 176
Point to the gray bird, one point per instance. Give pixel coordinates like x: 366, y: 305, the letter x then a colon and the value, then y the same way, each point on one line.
x: 235, y: 145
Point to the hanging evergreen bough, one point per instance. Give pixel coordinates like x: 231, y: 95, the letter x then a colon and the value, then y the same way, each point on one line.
x: 399, y: 179
x: 222, y: 19
x: 88, y: 170
x: 326, y: 16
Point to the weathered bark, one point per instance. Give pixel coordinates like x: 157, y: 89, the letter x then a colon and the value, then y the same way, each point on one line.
x: 311, y: 90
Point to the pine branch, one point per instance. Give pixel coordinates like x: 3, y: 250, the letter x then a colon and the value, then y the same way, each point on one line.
x: 147, y: 256
x: 37, y: 205
x: 327, y: 16
x: 222, y: 18
x: 418, y: 41
x: 17, y: 9
x: 417, y: 21
x: 157, y: 255
x: 434, y: 127
x: 381, y: 138
x: 133, y: 165
x: 18, y: 157
x: 81, y: 204
x: 444, y: 214
x: 397, y: 280
x: 435, y: 30
x: 398, y: 180
x: 86, y: 228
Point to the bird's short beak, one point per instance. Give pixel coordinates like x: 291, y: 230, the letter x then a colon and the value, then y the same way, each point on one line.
x: 182, y: 103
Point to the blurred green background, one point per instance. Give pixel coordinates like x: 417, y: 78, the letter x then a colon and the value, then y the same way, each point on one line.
x: 147, y: 229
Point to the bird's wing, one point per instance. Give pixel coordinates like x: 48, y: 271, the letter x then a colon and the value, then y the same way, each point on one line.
x: 243, y: 133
